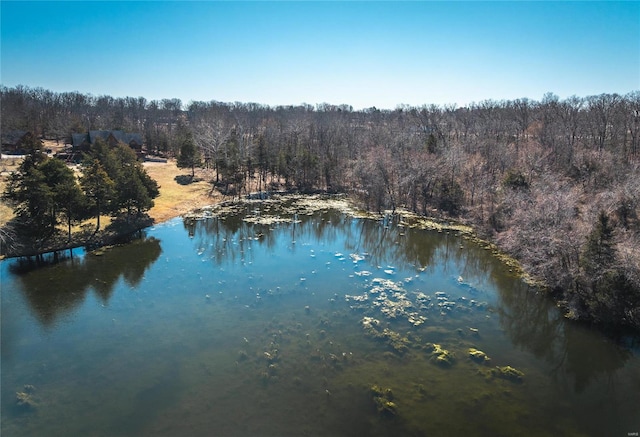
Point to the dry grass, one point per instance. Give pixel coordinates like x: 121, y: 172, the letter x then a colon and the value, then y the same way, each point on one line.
x: 6, y: 166
x: 176, y: 199
x: 6, y: 213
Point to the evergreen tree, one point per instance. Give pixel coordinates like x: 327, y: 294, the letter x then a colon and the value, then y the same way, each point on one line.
x: 110, y: 158
x: 61, y: 180
x: 135, y: 189
x: 68, y: 199
x: 34, y: 149
x: 72, y: 203
x: 98, y: 187
x: 32, y: 200
x: 606, y: 292
x: 42, y: 190
x: 599, y: 255
x: 190, y: 156
x: 30, y: 195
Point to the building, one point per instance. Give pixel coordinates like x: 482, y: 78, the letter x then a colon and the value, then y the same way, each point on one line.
x: 82, y: 142
x: 13, y: 141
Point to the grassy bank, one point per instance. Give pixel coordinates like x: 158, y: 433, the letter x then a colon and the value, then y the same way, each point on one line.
x: 175, y: 198
x: 178, y: 195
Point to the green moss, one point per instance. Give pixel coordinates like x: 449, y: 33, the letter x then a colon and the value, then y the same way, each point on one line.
x: 440, y: 356
x: 25, y: 401
x: 508, y: 373
x: 383, y: 400
x: 386, y: 407
x: 393, y: 339
x: 396, y: 341
x: 478, y: 356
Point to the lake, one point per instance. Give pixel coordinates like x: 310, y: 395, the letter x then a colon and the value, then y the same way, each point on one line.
x: 294, y: 318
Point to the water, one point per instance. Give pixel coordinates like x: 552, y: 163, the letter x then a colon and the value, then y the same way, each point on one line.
x: 261, y: 327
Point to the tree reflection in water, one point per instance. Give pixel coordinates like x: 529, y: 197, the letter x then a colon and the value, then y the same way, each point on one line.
x: 54, y: 290
x: 575, y: 359
x: 195, y: 331
x: 530, y: 320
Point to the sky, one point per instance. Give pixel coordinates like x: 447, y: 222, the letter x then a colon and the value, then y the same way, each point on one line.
x: 358, y: 53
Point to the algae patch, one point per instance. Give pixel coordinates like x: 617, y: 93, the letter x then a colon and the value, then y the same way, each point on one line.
x: 478, y: 356
x: 441, y: 356
x: 393, y: 339
x: 507, y: 372
x: 383, y: 400
x: 24, y: 398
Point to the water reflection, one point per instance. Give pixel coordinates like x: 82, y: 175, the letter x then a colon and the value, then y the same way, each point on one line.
x: 229, y: 238
x: 529, y: 319
x: 249, y: 325
x: 575, y: 360
x: 58, y: 289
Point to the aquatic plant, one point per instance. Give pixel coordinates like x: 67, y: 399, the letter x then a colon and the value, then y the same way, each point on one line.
x: 24, y: 399
x: 478, y: 356
x: 393, y: 339
x: 508, y: 373
x: 383, y: 400
x: 440, y: 356
x: 392, y: 300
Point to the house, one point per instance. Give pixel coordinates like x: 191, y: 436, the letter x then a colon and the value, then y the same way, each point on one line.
x: 13, y: 141
x: 82, y: 142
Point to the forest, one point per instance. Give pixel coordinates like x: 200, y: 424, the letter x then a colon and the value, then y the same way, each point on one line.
x: 553, y: 183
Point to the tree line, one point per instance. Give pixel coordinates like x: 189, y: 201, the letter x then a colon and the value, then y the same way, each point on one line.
x: 46, y: 193
x: 555, y: 183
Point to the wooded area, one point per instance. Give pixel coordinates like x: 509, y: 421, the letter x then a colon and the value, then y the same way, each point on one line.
x: 555, y: 183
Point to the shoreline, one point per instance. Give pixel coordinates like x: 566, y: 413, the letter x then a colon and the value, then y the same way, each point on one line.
x: 124, y: 232
x: 175, y: 199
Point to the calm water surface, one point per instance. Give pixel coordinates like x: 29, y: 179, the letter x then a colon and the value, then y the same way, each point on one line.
x: 263, y: 327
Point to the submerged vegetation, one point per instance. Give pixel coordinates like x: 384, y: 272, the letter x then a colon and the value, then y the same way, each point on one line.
x: 359, y: 326
x: 553, y: 183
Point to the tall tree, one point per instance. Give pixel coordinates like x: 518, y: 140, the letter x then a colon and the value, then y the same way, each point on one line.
x: 30, y: 194
x: 98, y: 187
x: 135, y: 189
x: 67, y: 197
x: 606, y: 292
x: 598, y: 255
x: 190, y: 156
x: 32, y: 200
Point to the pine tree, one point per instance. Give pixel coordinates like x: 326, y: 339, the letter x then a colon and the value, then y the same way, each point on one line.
x: 68, y: 199
x: 98, y: 187
x: 31, y: 197
x: 606, y: 292
x: 135, y: 189
x: 190, y: 156
x: 599, y: 254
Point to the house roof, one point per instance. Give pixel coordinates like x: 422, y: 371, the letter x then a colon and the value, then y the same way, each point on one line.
x: 78, y: 139
x: 118, y: 135
x: 135, y: 137
x: 13, y: 137
x: 95, y: 134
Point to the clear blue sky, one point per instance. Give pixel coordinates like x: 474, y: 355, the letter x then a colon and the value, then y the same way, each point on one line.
x: 359, y: 53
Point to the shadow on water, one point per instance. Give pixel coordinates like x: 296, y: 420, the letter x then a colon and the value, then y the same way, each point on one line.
x: 576, y: 354
x: 55, y: 288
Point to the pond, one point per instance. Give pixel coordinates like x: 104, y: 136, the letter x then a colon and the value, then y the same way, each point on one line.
x: 300, y: 317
